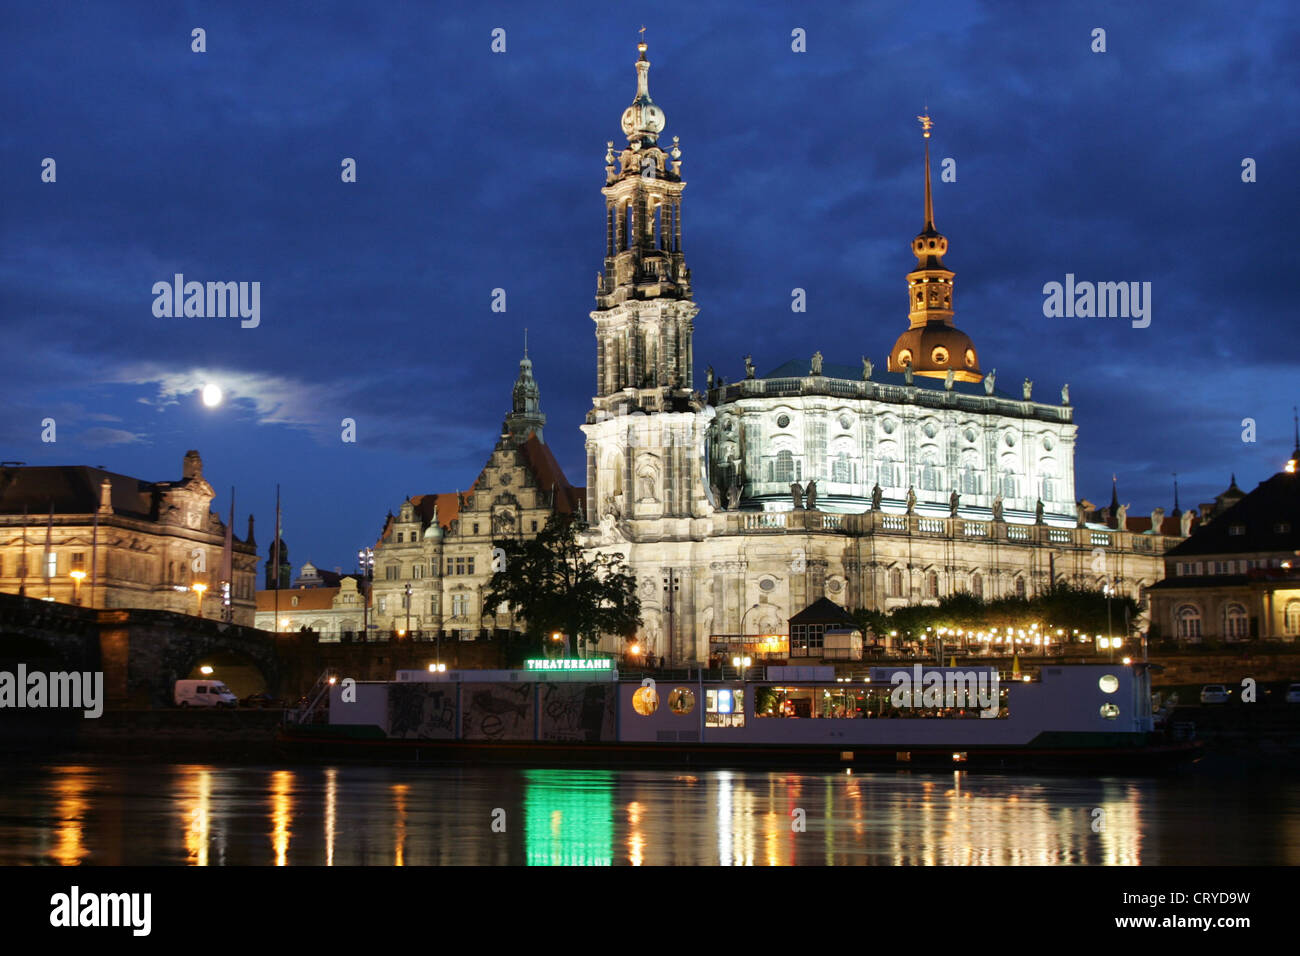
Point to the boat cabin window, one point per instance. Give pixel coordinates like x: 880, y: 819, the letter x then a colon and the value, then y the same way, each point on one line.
x: 724, y: 707
x: 846, y: 701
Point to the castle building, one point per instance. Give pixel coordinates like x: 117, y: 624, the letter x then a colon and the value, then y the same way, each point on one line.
x: 434, y: 558
x: 1237, y: 577
x: 737, y: 505
x: 332, y: 605
x: 82, y: 535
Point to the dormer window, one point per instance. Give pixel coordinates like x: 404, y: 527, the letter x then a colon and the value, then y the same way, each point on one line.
x: 1236, y: 529
x: 399, y: 537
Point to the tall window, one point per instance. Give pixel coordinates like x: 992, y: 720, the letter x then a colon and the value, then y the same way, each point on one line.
x: 1020, y: 587
x: 1291, y: 617
x: 970, y: 481
x: 888, y: 473
x: 784, y: 467
x: 840, y: 470
x: 896, y: 583
x: 929, y: 476
x: 932, y: 585
x: 1010, y: 485
x: 977, y: 584
x: 1049, y: 488
x: 51, y: 565
x: 1189, y: 622
x: 1236, y: 625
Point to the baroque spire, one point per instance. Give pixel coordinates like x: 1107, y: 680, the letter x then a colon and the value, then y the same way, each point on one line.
x: 932, y: 345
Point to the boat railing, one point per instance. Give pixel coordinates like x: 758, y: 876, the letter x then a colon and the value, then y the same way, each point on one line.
x: 310, y: 706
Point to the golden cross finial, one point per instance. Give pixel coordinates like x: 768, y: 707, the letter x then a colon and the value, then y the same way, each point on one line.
x: 926, y: 124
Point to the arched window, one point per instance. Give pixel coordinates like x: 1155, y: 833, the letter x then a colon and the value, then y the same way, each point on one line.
x: 929, y: 475
x: 1236, y: 624
x: 1049, y: 488
x: 1010, y: 485
x: 888, y: 473
x: 1188, y: 619
x: 932, y: 585
x: 896, y: 583
x: 840, y: 470
x: 977, y: 584
x: 1020, y: 587
x: 970, y: 480
x: 784, y: 467
x: 1291, y: 617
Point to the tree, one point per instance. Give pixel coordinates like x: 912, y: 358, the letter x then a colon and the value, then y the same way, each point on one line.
x: 554, y: 586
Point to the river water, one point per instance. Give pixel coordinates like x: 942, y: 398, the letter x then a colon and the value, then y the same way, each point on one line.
x: 195, y: 814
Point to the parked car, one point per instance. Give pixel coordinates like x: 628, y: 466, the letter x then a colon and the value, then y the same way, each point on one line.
x: 203, y: 693
x: 1214, y: 694
x: 258, y: 700
x: 1293, y: 694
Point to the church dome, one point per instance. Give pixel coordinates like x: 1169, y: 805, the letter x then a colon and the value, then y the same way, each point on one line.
x: 933, y: 349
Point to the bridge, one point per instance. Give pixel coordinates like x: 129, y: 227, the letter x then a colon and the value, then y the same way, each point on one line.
x: 142, y: 653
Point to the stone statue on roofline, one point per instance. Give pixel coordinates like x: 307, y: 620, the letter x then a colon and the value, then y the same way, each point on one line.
x: 796, y: 495
x: 911, y: 497
x: 1029, y: 389
x: 988, y: 382
x: 733, y: 497
x: 708, y: 376
x: 1081, y: 515
x: 1185, y: 523
x: 1065, y: 394
x: 1157, y: 520
x: 811, y: 492
x: 954, y: 500
x: 867, y: 368
x: 1038, y: 512
x: 997, y: 508
x: 949, y: 379
x: 749, y: 366
x: 876, y: 496
x: 1121, y: 518
x: 816, y: 368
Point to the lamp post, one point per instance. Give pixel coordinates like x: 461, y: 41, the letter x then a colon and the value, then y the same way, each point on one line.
x: 198, y: 590
x: 366, y: 562
x: 77, y: 577
x: 752, y: 607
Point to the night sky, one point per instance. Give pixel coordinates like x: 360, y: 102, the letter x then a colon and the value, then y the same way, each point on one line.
x: 478, y: 171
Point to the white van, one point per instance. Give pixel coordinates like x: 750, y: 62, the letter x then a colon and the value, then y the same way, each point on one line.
x: 203, y: 693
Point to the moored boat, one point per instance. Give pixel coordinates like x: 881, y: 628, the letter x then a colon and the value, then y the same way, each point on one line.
x: 1088, y: 715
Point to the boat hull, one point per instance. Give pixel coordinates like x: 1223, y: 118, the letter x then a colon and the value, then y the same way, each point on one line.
x: 350, y: 744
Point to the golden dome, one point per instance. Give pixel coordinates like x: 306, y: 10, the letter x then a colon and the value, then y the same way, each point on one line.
x: 933, y: 349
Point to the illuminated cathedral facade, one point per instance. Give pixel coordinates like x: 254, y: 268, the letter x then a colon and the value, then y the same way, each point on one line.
x: 739, y: 504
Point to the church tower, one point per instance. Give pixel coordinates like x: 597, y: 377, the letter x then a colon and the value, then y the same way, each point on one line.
x: 932, y: 345
x: 526, y: 409
x: 647, y: 425
x: 643, y: 310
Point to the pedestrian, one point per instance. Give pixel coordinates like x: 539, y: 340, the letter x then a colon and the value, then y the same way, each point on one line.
x: 661, y: 662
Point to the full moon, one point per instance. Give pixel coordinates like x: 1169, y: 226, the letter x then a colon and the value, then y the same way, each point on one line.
x: 212, y: 395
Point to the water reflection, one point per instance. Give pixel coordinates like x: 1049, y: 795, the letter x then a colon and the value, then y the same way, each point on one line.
x: 216, y: 815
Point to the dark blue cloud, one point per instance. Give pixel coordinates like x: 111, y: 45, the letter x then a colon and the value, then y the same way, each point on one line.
x: 479, y: 171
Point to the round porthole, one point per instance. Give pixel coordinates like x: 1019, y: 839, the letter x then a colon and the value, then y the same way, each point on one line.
x: 1109, y: 711
x: 645, y: 701
x: 970, y: 358
x: 904, y: 357
x: 845, y: 422
x: 766, y: 584
x: 681, y: 701
x: 782, y: 421
x: 939, y: 355
x: 1109, y: 683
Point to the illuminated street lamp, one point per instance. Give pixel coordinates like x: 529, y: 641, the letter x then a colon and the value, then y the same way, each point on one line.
x: 206, y: 670
x: 741, y: 664
x: 77, y: 577
x: 198, y: 590
x: 408, y: 609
